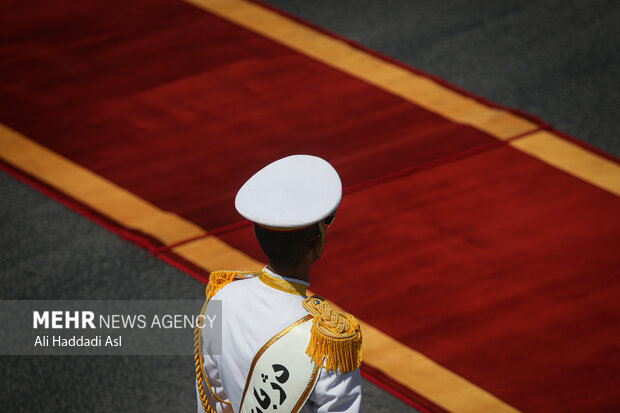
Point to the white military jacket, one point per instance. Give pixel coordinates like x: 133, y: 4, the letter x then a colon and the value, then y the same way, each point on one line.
x: 252, y: 313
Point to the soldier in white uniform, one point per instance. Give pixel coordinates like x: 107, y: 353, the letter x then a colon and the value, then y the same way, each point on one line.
x: 281, y: 350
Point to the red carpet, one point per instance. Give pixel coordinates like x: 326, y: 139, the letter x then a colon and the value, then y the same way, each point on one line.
x: 101, y: 95
x: 490, y: 262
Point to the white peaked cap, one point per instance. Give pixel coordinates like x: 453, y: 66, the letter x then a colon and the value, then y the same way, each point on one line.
x: 292, y: 192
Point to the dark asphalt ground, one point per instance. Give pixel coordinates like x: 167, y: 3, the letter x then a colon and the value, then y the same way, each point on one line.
x: 557, y: 60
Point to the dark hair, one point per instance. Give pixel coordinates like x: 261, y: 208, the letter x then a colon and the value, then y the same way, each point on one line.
x: 285, y: 249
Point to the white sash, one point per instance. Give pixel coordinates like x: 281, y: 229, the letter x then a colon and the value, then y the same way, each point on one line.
x: 281, y: 376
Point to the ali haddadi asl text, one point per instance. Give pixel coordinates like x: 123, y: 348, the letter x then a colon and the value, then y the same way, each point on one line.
x: 78, y: 341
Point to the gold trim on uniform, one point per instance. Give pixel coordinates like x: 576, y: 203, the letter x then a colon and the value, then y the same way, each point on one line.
x: 290, y: 287
x: 266, y: 346
x: 309, y: 388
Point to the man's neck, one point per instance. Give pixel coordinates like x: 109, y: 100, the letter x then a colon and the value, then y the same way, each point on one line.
x: 301, y: 273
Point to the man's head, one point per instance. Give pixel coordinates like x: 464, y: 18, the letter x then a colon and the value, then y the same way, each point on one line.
x: 287, y: 250
x: 290, y: 202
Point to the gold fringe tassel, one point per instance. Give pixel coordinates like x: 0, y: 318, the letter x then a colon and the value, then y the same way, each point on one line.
x: 335, y: 337
x: 217, y: 280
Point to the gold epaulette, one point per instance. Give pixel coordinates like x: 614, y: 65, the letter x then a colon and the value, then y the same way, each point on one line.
x: 218, y: 279
x: 336, y: 338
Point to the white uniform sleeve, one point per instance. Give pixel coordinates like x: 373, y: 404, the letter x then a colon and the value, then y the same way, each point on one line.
x: 336, y: 393
x: 215, y: 383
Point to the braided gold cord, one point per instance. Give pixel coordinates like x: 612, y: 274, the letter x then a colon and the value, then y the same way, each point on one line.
x: 216, y: 281
x: 199, y: 363
x: 334, y: 324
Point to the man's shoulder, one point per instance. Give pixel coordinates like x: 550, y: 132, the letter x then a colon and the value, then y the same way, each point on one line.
x: 232, y: 280
x: 238, y: 290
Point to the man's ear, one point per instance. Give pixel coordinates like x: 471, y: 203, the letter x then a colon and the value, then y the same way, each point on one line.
x: 315, y: 246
